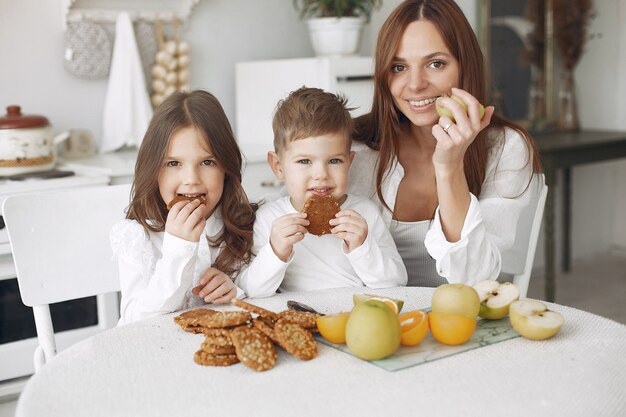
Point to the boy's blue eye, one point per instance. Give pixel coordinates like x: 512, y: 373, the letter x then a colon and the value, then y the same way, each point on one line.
x: 303, y: 161
x: 335, y: 161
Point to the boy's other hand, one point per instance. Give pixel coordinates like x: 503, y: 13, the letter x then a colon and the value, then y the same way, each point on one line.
x: 351, y: 227
x: 286, y: 231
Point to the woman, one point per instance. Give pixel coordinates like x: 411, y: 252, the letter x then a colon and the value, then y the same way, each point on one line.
x: 453, y: 191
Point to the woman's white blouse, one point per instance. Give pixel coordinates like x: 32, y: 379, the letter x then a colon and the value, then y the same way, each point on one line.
x: 158, y: 270
x: 490, y: 240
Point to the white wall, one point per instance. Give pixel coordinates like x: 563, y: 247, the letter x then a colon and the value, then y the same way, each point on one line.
x: 223, y: 32
x: 599, y: 193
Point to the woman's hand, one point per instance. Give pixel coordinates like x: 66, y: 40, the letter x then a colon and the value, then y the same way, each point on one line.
x: 453, y: 139
x: 351, y: 227
x: 215, y: 286
x: 186, y: 220
x: 286, y: 231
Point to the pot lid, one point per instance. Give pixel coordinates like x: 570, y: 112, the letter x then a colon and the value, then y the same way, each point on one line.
x: 14, y: 119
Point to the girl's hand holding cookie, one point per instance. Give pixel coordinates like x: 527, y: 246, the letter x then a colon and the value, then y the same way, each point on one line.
x: 351, y: 227
x: 215, y: 286
x: 186, y: 220
x: 286, y: 231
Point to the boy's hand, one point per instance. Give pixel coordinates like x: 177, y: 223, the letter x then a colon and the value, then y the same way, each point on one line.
x: 286, y: 231
x: 186, y: 221
x: 351, y: 227
x: 215, y: 286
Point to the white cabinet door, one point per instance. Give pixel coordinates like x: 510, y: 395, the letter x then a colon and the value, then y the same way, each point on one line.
x: 259, y: 182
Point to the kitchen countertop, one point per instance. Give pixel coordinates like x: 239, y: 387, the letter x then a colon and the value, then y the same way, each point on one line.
x: 114, y: 164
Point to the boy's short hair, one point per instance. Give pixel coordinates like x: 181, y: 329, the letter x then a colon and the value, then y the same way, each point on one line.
x: 309, y: 112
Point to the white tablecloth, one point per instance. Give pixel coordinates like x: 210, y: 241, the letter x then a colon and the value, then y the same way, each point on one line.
x: 147, y: 369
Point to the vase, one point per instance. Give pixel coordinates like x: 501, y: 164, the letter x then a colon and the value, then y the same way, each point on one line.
x: 335, y: 35
x: 537, y: 97
x: 568, y: 107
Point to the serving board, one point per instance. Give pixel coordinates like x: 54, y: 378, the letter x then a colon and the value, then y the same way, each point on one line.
x: 487, y: 333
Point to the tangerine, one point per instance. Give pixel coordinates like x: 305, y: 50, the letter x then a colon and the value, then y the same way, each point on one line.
x: 451, y: 329
x: 413, y: 327
x: 332, y: 327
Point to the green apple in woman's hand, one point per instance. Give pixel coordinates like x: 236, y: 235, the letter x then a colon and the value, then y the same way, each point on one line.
x: 443, y: 111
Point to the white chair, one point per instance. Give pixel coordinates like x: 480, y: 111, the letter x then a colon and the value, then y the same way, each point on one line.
x: 519, y: 267
x: 61, y: 251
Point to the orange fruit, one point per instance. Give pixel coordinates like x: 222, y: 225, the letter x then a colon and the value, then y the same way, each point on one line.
x: 451, y: 329
x: 413, y: 327
x: 332, y: 327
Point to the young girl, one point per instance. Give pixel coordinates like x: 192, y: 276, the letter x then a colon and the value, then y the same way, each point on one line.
x: 188, y: 255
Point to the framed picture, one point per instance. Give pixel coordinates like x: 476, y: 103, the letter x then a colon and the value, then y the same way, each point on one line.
x: 516, y: 38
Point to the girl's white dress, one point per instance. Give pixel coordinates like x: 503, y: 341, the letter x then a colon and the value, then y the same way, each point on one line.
x: 158, y: 270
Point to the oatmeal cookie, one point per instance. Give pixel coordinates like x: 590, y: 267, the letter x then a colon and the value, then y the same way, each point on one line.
x: 295, y: 340
x: 192, y: 318
x: 202, y: 357
x: 303, y: 318
x: 254, y: 349
x: 253, y: 309
x: 319, y: 211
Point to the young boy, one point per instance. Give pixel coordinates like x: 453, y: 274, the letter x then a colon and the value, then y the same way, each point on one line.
x: 312, y: 138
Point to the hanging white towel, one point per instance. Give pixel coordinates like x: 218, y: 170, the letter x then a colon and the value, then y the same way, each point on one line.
x: 127, y: 108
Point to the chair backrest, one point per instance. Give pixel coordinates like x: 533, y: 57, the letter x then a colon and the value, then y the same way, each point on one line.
x: 61, y: 251
x: 522, y: 280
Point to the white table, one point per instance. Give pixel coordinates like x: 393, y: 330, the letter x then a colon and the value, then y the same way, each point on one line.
x: 147, y: 369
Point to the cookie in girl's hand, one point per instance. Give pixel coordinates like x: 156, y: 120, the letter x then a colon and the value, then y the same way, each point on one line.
x: 180, y: 197
x: 320, y: 210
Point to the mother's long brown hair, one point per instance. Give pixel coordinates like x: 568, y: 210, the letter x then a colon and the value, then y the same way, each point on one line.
x: 381, y: 128
x: 202, y: 111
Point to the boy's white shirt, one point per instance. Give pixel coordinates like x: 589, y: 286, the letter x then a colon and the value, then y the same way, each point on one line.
x: 321, y: 262
x: 158, y: 270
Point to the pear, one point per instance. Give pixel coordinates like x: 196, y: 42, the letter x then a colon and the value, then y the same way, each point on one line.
x: 359, y: 298
x: 443, y: 111
x: 495, y: 298
x: 533, y: 320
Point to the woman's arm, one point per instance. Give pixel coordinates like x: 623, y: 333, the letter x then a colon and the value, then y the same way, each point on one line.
x: 493, y: 220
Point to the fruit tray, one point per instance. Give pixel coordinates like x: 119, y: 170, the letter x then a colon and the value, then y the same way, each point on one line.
x: 487, y: 333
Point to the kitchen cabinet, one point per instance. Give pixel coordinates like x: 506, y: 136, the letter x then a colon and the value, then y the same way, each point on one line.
x: 259, y: 85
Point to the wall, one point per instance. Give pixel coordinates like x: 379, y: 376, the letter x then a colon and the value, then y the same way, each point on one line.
x: 223, y: 32
x: 602, y: 105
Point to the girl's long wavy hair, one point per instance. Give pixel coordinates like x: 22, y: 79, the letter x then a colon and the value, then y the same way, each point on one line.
x: 201, y: 110
x: 381, y: 128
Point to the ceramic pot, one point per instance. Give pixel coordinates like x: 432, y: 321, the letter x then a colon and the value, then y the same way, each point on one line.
x: 335, y: 35
x: 27, y: 143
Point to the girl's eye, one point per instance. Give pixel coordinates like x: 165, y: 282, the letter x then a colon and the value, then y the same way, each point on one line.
x: 172, y: 163
x: 437, y: 64
x: 209, y: 162
x: 396, y: 68
x: 335, y: 161
x: 304, y: 161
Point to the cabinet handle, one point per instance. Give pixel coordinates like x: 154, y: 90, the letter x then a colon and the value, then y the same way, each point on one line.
x: 353, y: 78
x: 271, y: 184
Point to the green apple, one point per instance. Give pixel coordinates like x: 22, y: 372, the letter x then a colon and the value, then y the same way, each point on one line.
x: 495, y: 298
x: 456, y: 299
x: 443, y: 111
x: 373, y: 330
x: 533, y: 320
x: 359, y: 298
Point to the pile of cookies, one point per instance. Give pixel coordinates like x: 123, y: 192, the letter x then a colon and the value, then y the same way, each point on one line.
x: 237, y: 336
